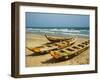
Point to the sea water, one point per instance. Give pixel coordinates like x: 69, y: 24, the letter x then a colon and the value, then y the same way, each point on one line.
x: 60, y: 31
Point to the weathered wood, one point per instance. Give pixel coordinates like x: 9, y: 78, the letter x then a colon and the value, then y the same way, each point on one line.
x: 52, y: 46
x: 69, y: 51
x: 56, y: 39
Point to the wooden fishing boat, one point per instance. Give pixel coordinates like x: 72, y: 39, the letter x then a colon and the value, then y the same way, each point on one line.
x: 52, y: 46
x: 56, y: 39
x: 71, y: 51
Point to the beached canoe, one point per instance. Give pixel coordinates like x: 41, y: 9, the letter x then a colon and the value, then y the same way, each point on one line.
x: 56, y: 39
x: 71, y: 51
x: 45, y: 48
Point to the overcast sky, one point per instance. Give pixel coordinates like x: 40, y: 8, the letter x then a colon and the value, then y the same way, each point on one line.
x: 56, y: 20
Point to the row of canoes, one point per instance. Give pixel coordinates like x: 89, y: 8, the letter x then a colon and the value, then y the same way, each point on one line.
x: 61, y: 48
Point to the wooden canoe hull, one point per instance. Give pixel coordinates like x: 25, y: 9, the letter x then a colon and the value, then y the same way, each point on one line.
x: 52, y: 46
x: 70, y: 51
x: 55, y: 39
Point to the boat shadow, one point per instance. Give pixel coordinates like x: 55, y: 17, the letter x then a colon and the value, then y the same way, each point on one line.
x: 37, y: 54
x: 52, y: 60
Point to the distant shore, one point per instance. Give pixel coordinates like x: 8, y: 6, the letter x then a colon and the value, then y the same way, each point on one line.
x: 34, y: 40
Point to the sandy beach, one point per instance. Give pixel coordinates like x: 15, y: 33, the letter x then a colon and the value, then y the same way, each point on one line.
x: 34, y: 40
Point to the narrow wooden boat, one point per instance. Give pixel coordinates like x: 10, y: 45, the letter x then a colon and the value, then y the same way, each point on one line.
x: 52, y: 46
x: 68, y: 52
x: 56, y: 39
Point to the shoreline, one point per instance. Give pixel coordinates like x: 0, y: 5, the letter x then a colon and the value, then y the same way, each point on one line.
x: 59, y: 35
x: 34, y: 40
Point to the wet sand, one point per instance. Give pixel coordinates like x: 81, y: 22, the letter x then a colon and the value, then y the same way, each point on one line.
x: 34, y: 40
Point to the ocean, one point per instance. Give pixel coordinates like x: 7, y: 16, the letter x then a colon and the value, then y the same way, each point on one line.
x: 60, y: 31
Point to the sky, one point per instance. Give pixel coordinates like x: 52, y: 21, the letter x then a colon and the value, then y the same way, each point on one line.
x: 34, y: 19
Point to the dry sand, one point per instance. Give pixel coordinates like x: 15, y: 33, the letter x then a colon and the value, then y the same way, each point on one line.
x: 33, y: 40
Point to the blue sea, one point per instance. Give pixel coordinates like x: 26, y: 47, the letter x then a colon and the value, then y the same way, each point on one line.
x: 60, y: 31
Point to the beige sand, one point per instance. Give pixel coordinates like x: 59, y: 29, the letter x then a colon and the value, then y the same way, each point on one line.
x: 33, y: 40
